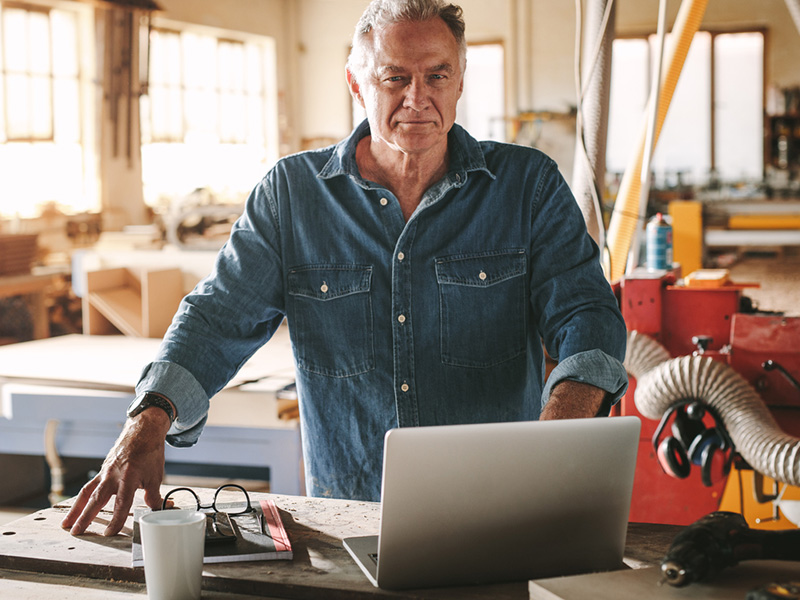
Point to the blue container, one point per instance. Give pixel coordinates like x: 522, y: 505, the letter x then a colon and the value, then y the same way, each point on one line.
x: 659, y: 244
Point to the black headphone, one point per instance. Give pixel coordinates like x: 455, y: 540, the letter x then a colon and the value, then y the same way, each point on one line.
x: 691, y: 442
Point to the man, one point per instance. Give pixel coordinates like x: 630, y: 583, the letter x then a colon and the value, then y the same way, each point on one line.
x: 419, y: 272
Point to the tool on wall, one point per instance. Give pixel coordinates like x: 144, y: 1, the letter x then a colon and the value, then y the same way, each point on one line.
x: 721, y: 540
x: 123, y: 64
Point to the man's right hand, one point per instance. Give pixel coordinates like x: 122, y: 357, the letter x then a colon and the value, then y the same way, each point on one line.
x: 136, y: 461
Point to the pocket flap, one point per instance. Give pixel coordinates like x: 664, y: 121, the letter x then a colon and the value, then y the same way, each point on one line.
x: 326, y: 282
x: 481, y: 270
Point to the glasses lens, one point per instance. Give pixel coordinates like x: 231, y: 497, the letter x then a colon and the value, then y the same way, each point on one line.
x: 182, y: 498
x: 232, y: 499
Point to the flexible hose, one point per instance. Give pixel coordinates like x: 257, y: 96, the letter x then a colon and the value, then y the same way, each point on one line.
x: 625, y: 217
x: 593, y: 89
x: 751, y: 426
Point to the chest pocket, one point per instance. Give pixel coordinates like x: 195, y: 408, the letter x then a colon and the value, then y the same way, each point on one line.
x: 331, y: 319
x: 482, y: 307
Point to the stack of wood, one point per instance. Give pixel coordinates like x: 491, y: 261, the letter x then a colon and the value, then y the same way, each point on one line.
x: 17, y: 253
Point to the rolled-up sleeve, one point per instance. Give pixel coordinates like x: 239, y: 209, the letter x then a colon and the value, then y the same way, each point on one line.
x: 579, y: 317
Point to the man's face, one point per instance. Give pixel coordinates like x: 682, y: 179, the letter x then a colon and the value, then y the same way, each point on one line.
x: 410, y: 85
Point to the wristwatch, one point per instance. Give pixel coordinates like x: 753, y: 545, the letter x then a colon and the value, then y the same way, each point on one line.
x: 148, y: 399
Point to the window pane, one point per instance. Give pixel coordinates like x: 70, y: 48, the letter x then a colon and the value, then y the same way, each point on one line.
x: 39, y: 47
x: 165, y: 62
x: 739, y: 62
x: 254, y: 69
x: 255, y: 120
x: 482, y: 104
x: 42, y: 124
x: 201, y: 114
x: 19, y: 106
x: 233, y: 112
x: 199, y: 61
x: 66, y: 108
x: 65, y: 41
x: 231, y: 67
x: 629, y: 91
x: 15, y: 36
x: 684, y: 147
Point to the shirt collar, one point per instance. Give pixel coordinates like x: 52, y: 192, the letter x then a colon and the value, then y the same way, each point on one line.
x: 466, y: 155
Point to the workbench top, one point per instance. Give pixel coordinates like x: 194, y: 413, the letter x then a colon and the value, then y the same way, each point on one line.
x: 321, y: 567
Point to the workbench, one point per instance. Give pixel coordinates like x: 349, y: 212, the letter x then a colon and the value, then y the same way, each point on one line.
x: 33, y: 287
x: 44, y: 561
x: 71, y: 393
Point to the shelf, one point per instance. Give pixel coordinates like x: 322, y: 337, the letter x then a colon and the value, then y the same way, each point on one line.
x: 136, y: 303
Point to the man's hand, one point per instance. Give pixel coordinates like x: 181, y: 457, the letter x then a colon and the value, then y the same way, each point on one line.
x: 136, y: 461
x: 573, y: 400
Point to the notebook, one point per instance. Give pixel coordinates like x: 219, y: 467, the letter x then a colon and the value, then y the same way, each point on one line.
x: 475, y: 504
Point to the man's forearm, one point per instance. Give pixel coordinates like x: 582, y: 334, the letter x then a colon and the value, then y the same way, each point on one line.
x: 573, y: 400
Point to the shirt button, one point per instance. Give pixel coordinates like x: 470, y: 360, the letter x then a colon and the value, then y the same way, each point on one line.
x: 384, y: 202
x: 401, y: 318
x: 324, y: 288
x: 482, y: 276
x: 404, y: 387
x: 400, y: 256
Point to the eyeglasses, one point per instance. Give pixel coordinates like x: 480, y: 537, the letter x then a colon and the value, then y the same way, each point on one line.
x: 219, y: 513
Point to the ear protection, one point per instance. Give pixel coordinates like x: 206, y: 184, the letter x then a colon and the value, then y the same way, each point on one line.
x: 693, y: 443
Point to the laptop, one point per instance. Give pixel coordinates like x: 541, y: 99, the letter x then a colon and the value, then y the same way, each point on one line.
x: 498, y: 502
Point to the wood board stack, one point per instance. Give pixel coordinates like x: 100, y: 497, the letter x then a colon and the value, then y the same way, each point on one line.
x: 17, y: 253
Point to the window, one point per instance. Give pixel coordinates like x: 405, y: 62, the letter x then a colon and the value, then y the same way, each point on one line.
x: 482, y: 105
x: 42, y: 97
x: 210, y: 118
x: 709, y: 128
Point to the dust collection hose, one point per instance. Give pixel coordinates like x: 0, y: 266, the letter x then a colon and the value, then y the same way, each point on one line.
x: 663, y: 382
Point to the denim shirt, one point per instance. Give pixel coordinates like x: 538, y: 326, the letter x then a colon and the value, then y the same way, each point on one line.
x: 438, y: 320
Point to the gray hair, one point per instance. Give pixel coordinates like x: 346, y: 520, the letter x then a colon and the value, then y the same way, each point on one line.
x: 381, y: 13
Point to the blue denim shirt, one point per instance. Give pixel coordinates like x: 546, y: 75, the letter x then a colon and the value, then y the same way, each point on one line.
x: 438, y: 320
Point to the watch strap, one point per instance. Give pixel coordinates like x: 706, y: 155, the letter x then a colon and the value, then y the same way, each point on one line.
x: 149, y: 399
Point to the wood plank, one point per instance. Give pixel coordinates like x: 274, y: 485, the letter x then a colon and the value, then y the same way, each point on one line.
x: 19, y: 586
x: 122, y: 307
x: 321, y: 567
x: 644, y: 583
x: 162, y: 291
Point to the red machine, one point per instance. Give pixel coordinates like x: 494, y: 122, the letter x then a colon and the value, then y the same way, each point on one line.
x: 719, y: 322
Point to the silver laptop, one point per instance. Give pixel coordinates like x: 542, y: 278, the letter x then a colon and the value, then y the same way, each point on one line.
x: 472, y: 504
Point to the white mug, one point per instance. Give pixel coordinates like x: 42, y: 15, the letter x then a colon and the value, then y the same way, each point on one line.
x: 172, y: 544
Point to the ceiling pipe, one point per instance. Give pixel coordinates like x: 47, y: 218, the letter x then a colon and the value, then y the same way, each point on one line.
x: 794, y: 9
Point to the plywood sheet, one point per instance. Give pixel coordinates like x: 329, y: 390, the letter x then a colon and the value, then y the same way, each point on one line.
x: 115, y: 362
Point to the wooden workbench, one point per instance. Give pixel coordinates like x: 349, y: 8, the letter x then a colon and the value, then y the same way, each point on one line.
x: 76, y: 567
x: 32, y: 286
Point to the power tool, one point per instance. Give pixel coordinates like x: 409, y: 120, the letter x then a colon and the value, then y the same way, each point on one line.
x: 720, y: 540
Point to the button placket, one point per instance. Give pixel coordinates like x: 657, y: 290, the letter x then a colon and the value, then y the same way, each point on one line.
x: 407, y: 410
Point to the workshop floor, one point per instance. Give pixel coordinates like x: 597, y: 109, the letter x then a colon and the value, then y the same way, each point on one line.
x: 778, y: 277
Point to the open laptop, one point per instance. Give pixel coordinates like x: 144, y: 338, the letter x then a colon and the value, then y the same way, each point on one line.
x: 472, y: 504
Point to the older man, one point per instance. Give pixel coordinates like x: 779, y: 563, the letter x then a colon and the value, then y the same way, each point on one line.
x: 419, y: 270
